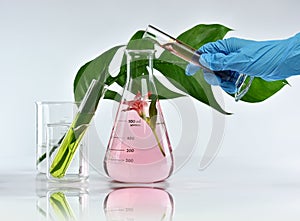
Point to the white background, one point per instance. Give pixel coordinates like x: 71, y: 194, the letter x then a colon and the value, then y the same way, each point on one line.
x: 43, y: 43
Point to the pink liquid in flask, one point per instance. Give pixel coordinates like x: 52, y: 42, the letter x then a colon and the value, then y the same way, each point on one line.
x: 139, y: 149
x: 137, y: 153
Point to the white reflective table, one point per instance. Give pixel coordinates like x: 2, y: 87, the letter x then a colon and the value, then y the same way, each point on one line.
x: 225, y: 191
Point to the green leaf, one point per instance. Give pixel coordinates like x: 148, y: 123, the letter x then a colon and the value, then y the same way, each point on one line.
x: 136, y: 42
x: 174, y: 68
x: 112, y: 95
x: 165, y: 93
x: 195, y: 85
x: 76, y: 131
x: 202, y: 34
x: 260, y: 90
x: 95, y: 69
x: 196, y: 36
x: 137, y: 35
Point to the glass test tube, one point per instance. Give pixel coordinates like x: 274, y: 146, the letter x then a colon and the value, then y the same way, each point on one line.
x: 191, y: 55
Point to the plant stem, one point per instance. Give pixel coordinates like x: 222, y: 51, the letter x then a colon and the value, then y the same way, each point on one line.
x: 158, y: 142
x: 79, y: 126
x: 67, y: 150
x: 43, y: 157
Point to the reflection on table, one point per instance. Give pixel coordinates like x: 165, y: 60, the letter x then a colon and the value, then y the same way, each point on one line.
x: 62, y: 202
x: 138, y: 204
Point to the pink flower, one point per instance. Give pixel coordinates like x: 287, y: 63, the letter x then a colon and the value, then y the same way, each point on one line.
x: 138, y: 104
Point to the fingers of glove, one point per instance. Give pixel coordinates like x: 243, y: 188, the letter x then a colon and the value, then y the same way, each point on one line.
x: 229, y: 87
x: 225, y: 46
x: 215, y: 80
x: 191, y: 69
x: 211, y: 78
x: 214, y: 47
x: 214, y: 62
x: 221, y: 62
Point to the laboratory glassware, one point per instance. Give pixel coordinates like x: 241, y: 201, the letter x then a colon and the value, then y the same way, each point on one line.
x: 76, y: 131
x: 242, y: 82
x: 139, y: 149
x: 50, y: 112
x: 78, y: 168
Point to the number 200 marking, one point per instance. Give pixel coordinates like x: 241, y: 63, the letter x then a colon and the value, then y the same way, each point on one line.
x: 129, y: 160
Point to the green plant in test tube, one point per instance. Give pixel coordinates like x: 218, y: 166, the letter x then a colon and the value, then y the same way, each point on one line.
x: 75, y: 133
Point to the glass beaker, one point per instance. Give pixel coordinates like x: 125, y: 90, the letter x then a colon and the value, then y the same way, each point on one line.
x: 54, y: 119
x: 52, y: 112
x: 139, y: 149
x: 242, y: 82
x: 78, y: 169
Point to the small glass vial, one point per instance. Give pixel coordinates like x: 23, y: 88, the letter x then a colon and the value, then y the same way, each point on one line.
x: 139, y: 149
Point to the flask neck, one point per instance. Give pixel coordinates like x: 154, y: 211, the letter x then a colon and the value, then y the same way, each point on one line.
x: 140, y: 71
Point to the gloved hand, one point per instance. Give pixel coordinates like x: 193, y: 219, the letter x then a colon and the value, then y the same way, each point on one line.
x: 269, y: 60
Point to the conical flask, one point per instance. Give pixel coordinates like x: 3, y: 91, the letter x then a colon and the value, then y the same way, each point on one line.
x: 139, y: 149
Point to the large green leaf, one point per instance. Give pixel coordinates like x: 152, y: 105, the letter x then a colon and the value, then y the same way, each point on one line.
x: 195, y: 85
x: 136, y: 43
x: 202, y: 34
x: 260, y: 90
x: 172, y: 67
x: 95, y: 69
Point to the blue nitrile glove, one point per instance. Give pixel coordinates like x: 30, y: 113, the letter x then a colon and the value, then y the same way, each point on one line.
x: 269, y: 60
